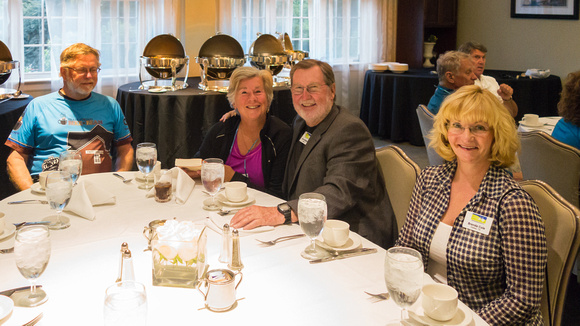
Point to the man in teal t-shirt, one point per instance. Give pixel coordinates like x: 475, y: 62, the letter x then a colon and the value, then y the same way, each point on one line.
x: 74, y: 118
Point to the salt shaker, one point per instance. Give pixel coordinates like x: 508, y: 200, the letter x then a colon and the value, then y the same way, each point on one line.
x: 225, y: 254
x: 124, y: 246
x: 236, y: 263
x: 127, y: 272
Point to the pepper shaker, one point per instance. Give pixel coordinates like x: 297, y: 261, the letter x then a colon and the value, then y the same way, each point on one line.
x: 124, y: 246
x: 236, y: 263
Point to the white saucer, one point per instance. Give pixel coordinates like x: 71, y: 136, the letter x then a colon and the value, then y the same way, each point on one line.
x: 20, y: 97
x: 353, y: 242
x: 6, y: 306
x: 37, y: 189
x: 222, y: 199
x: 8, y: 231
x: 463, y: 316
x: 140, y: 177
x: 532, y: 126
x: 157, y: 90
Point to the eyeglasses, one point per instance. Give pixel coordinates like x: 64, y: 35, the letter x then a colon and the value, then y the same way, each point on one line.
x: 312, y: 89
x: 457, y: 129
x: 84, y: 71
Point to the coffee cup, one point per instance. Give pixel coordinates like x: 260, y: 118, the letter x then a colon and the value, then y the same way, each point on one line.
x: 335, y: 233
x: 236, y: 191
x: 531, y: 119
x: 439, y: 301
x: 42, y: 178
x: 2, y: 223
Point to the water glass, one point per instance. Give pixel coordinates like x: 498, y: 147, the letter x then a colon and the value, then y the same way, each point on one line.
x: 146, y: 157
x: 404, y: 276
x: 58, y: 192
x: 71, y: 162
x: 32, y: 252
x: 312, y: 212
x: 212, y: 177
x: 125, y: 304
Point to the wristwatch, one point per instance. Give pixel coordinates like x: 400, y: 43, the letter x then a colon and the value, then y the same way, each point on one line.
x: 285, y: 210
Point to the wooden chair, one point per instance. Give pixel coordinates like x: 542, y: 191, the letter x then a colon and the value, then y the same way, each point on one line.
x: 544, y: 158
x: 400, y: 174
x: 562, y: 224
x: 426, y: 122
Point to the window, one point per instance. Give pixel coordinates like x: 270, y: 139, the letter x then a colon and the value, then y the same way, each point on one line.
x: 36, y: 38
x: 119, y: 23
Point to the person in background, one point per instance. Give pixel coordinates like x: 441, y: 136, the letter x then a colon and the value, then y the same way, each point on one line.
x: 253, y: 144
x: 331, y: 153
x: 454, y: 70
x: 504, y: 92
x: 567, y: 130
x: 73, y: 118
x: 476, y: 228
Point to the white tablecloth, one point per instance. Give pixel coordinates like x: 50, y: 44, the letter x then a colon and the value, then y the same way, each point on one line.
x: 279, y: 287
x: 548, y: 124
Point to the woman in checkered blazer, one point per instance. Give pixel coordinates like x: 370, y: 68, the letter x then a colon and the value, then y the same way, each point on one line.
x: 477, y: 229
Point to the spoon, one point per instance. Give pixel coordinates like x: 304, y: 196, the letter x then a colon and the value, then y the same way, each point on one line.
x: 122, y: 178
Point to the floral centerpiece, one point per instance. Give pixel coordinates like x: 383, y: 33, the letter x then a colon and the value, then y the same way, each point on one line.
x: 179, y: 251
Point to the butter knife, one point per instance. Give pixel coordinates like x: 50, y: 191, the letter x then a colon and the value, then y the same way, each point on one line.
x: 11, y: 291
x: 359, y: 252
x: 28, y: 201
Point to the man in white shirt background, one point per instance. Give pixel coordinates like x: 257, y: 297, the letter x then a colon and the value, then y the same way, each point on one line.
x: 504, y: 92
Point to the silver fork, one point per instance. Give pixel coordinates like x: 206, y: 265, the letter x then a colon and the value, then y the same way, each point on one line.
x: 122, y: 178
x: 273, y: 242
x: 382, y: 296
x: 224, y: 212
x: 34, y: 321
x: 7, y: 250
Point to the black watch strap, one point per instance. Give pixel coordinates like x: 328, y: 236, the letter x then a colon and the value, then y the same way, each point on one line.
x: 285, y: 210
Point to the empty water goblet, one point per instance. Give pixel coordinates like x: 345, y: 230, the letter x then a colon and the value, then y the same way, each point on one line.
x: 146, y: 157
x: 312, y: 215
x: 32, y: 252
x: 58, y: 192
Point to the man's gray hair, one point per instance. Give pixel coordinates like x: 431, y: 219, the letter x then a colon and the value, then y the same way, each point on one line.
x: 467, y: 47
x: 449, y: 61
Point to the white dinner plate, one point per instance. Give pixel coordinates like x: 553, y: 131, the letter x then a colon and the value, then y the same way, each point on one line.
x: 157, y: 90
x: 20, y: 97
x: 6, y: 306
x: 223, y: 199
x: 353, y: 242
x: 8, y: 231
x: 463, y: 316
x: 531, y: 126
x: 37, y: 189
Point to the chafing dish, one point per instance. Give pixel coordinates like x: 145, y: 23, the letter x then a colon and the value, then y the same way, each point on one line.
x: 163, y: 58
x: 218, y: 57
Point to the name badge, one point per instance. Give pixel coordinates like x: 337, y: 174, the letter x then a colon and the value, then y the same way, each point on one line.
x: 477, y: 222
x: 305, y: 138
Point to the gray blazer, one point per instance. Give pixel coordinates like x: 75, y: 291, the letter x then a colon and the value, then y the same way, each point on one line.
x: 339, y: 162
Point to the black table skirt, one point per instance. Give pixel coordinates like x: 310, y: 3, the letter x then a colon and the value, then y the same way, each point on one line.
x: 10, y: 112
x: 389, y: 100
x: 178, y: 121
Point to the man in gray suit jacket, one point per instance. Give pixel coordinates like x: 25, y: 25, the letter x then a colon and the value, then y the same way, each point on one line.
x: 332, y: 154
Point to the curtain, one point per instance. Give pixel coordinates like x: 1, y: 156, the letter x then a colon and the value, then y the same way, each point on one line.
x: 336, y: 29
x: 11, y: 35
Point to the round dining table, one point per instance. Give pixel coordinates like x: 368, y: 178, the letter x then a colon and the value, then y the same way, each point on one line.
x: 278, y: 286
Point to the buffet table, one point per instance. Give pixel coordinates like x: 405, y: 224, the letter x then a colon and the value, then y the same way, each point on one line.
x: 278, y: 287
x: 10, y: 112
x: 178, y: 121
x: 389, y: 100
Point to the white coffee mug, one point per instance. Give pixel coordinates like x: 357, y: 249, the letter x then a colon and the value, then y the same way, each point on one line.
x: 439, y: 301
x: 2, y: 223
x: 236, y: 191
x: 42, y: 178
x: 335, y: 233
x: 531, y: 119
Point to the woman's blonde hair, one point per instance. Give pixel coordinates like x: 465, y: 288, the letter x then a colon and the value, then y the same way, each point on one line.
x: 243, y: 73
x: 471, y: 104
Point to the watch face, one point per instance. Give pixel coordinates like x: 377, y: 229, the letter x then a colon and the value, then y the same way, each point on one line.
x: 284, y: 207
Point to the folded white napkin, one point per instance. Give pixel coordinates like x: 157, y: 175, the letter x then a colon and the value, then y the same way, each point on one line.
x: 84, y: 196
x: 216, y: 222
x: 182, y: 184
